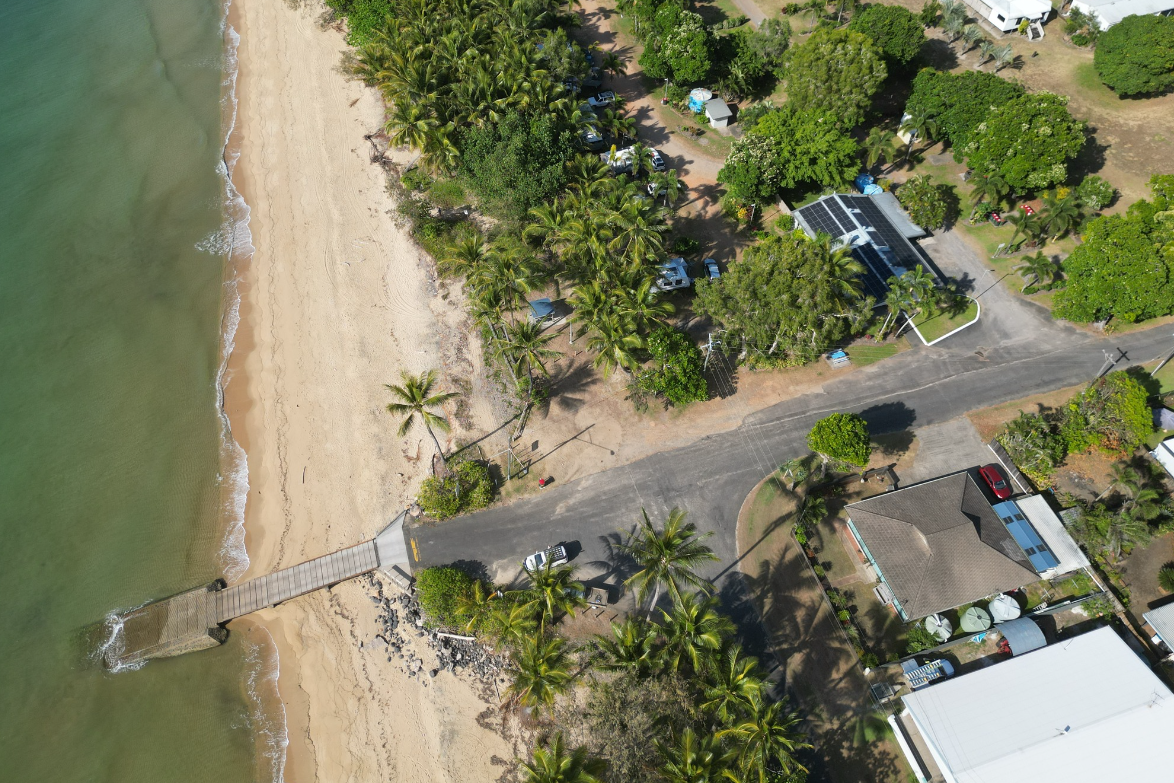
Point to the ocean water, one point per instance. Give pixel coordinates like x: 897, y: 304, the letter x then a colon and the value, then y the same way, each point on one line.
x: 117, y: 482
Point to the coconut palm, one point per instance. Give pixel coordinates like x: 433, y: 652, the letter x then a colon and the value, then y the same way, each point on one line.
x: 1124, y: 478
x: 513, y: 620
x: 988, y: 189
x: 694, y: 631
x: 526, y: 347
x: 1026, y: 225
x: 766, y: 739
x: 1166, y: 577
x: 553, y: 764
x: 467, y: 255
x: 540, y: 669
x: 476, y: 607
x: 415, y: 401
x: 878, y: 147
x: 556, y: 591
x: 1034, y: 269
x: 632, y: 647
x: 612, y: 63
x: 897, y: 298
x: 667, y: 557
x: 409, y: 125
x: 918, y: 124
x: 813, y: 511
x: 732, y: 685
x: 667, y: 185
x: 693, y: 759
x: 1060, y: 214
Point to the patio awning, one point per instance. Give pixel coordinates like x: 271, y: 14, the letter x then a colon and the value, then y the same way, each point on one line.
x: 1023, y: 635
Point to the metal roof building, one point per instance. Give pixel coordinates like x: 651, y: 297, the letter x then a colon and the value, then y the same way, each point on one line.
x: 1084, y: 710
x: 1162, y: 621
x: 938, y: 545
x: 875, y: 226
x: 1110, y: 12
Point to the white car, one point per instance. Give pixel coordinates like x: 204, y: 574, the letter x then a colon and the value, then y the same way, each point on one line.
x: 603, y: 99
x: 552, y: 558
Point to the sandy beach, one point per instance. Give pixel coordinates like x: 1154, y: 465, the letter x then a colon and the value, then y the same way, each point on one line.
x: 336, y: 301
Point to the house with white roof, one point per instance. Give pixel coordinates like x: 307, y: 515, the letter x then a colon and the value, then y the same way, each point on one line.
x: 1082, y: 710
x: 1005, y: 15
x: 1110, y: 12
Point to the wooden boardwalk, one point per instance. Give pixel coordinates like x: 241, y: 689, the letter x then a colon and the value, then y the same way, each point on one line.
x: 194, y: 620
x: 280, y: 586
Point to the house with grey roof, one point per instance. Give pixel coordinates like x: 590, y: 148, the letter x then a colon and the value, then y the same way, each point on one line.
x: 938, y: 545
x: 1160, y: 624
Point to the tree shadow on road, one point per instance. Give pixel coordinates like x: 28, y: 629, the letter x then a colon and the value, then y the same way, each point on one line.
x: 889, y: 417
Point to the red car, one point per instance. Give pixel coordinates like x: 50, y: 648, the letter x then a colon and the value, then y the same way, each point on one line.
x: 995, y: 479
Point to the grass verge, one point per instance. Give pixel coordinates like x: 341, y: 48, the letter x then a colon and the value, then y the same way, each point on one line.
x: 933, y: 326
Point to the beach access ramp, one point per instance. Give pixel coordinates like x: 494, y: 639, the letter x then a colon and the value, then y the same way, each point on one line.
x: 194, y: 619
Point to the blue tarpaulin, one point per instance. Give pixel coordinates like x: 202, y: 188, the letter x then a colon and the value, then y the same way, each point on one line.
x: 541, y: 308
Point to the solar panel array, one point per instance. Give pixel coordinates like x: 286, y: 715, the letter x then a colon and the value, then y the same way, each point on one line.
x: 876, y: 273
x: 883, y: 232
x: 820, y: 220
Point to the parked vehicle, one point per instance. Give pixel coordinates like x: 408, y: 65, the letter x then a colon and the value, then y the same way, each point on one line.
x: 604, y: 99
x: 674, y: 274
x: 711, y: 269
x: 593, y: 79
x: 553, y: 557
x: 591, y: 139
x: 658, y: 163
x: 994, y: 478
x: 572, y: 85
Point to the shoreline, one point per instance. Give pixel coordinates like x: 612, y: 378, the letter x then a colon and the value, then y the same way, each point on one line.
x: 334, y: 301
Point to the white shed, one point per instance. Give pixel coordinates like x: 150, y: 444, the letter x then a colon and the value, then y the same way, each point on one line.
x: 1006, y: 15
x: 718, y: 112
x: 1164, y: 454
x: 1110, y: 12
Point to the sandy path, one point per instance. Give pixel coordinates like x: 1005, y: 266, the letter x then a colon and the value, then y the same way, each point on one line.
x: 337, y: 300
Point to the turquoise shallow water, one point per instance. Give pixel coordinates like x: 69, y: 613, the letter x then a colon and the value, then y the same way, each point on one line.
x: 110, y: 344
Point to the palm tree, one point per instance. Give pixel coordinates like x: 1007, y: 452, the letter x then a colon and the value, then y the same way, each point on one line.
x: 416, y: 401
x: 555, y: 765
x: 878, y: 146
x: 766, y: 739
x: 540, y: 670
x: 694, y: 630
x: 1004, y: 57
x: 897, y: 299
x: 1123, y: 477
x: 631, y: 648
x: 954, y: 25
x: 987, y: 50
x: 989, y: 189
x: 613, y: 64
x: 477, y: 605
x: 971, y: 35
x: 466, y: 256
x: 1060, y: 214
x: 666, y: 557
x: 525, y: 346
x: 813, y: 511
x: 668, y: 185
x: 693, y: 759
x: 953, y: 9
x: 513, y: 621
x: 816, y: 8
x: 409, y: 125
x: 1035, y: 268
x: 1027, y: 226
x: 732, y: 685
x: 918, y: 124
x: 556, y: 591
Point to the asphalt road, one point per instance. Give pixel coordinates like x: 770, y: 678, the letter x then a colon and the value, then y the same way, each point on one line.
x: 711, y: 477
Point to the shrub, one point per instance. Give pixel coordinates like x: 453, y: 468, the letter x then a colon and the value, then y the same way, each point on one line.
x: 440, y: 589
x: 1035, y: 448
x: 676, y: 372
x: 869, y: 660
x: 1098, y: 607
x: 785, y: 223
x: 818, y: 569
x: 1136, y: 55
x: 841, y: 437
x: 1080, y: 39
x: 1095, y: 193
x: 918, y: 639
x: 686, y: 246
x: 1166, y: 577
x: 440, y: 499
x: 1111, y: 414
x: 415, y: 179
x: 927, y: 204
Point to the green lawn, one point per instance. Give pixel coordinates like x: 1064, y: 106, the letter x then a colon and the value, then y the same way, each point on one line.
x: 1165, y: 378
x: 937, y: 324
x: 864, y: 355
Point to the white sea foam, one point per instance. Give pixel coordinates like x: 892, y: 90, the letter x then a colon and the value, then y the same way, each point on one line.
x: 234, y: 242
x: 267, y: 717
x: 113, y: 645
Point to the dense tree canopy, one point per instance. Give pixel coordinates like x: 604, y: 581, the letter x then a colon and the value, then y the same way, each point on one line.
x: 1027, y: 141
x: 896, y: 30
x: 1124, y: 268
x: 1136, y: 55
x: 836, y: 71
x: 678, y: 46
x: 675, y: 372
x: 841, y: 437
x: 785, y: 148
x: 929, y: 205
x: 786, y: 299
x: 958, y: 103
x: 516, y: 163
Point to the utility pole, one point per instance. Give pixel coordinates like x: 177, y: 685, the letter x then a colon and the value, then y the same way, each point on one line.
x: 1110, y: 361
x: 1163, y: 364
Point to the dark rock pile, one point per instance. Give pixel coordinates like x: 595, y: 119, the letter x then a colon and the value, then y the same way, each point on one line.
x: 401, y: 618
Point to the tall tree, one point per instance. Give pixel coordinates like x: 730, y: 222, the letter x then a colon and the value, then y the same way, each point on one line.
x: 766, y: 740
x: 556, y: 591
x: 694, y: 630
x: 732, y: 685
x: 878, y: 146
x: 553, y: 764
x: 1136, y: 55
x: 415, y: 400
x: 693, y: 759
x: 1037, y: 269
x: 896, y: 30
x: 526, y: 347
x: 835, y: 71
x: 1028, y: 141
x: 632, y: 647
x: 841, y: 438
x: 541, y: 671
x: 988, y: 189
x: 918, y: 124
x: 667, y: 557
